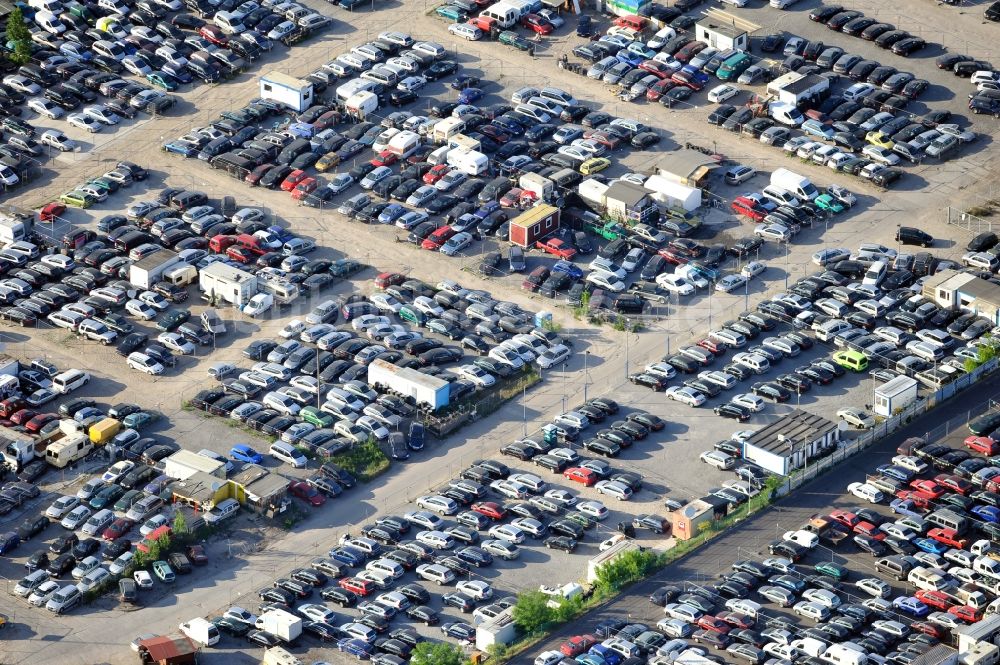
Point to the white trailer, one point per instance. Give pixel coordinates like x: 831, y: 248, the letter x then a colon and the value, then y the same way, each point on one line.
x: 285, y: 626
x: 9, y: 365
x: 222, y: 282
x: 149, y: 270
x: 14, y: 229
x: 469, y: 162
x: 286, y: 90
x: 361, y: 104
x: 404, y: 144
x: 425, y: 389
x: 539, y: 185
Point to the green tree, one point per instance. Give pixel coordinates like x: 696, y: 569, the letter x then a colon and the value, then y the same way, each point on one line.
x: 532, y: 613
x: 437, y: 653
x: 627, y: 568
x: 19, y: 35
x: 180, y: 527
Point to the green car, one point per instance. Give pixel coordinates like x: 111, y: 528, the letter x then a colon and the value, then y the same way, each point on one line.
x: 831, y: 570
x: 139, y: 420
x: 828, y: 203
x: 163, y: 571
x: 105, y: 185
x: 163, y: 80
x: 106, y: 497
x: 172, y: 318
x: 77, y: 199
x: 314, y: 416
x: 127, y: 500
x: 451, y: 13
x: 586, y: 521
x: 511, y: 38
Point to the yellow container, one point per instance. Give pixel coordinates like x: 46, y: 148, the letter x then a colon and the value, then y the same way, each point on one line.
x: 104, y: 430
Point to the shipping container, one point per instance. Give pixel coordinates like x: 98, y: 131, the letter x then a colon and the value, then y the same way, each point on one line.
x: 533, y: 225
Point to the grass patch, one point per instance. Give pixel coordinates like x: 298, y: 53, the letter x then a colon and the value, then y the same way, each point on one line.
x: 365, y: 461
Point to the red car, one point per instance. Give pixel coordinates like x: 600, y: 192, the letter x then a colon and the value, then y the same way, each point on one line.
x: 660, y: 88
x: 118, y: 528
x: 846, y: 518
x: 954, y: 483
x: 717, y: 348
x: 23, y: 416
x: 982, y: 444
x: 586, y: 477
x: 690, y: 50
x: 537, y: 24
x: 214, y: 34
x: 10, y: 406
x: 937, y: 599
x: 741, y: 205
x: 439, y: 237
x: 385, y: 158
x: 557, y: 247
x: 673, y: 256
x: 304, y: 187
x: 709, y: 622
x: 966, y: 613
x: 51, y: 211
x: 741, y: 621
x: 253, y: 178
x: 307, y: 493
x: 656, y: 68
x: 577, y: 645
x: 39, y: 421
x: 360, y: 587
x: 241, y: 254
x: 928, y: 628
x: 918, y: 500
x: 491, y: 509
x: 293, y: 178
x: 948, y: 537
x: 607, y: 139
x: 387, y: 279
x: 221, y: 243
x: 436, y: 173
x: 870, y: 530
x: 928, y: 489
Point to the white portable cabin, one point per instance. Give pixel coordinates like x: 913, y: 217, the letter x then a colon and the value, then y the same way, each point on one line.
x: 286, y: 90
x: 673, y: 194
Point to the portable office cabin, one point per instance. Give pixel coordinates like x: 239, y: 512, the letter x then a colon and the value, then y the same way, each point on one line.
x: 722, y: 36
x: 183, y: 464
x: 533, y: 225
x: 148, y: 270
x: 893, y: 395
x: 294, y: 93
x: 223, y: 282
x: 426, y: 390
x: 673, y: 194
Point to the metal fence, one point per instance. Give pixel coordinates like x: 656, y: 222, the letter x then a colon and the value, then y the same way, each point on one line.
x: 968, y: 221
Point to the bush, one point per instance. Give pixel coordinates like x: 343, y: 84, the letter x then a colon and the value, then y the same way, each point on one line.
x: 532, y: 613
x: 437, y: 653
x: 630, y: 567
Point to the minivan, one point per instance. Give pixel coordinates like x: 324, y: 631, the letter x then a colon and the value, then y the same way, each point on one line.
x: 69, y: 381
x: 558, y: 96
x: 897, y: 566
x: 289, y: 454
x: 927, y: 580
x: 852, y: 360
x: 222, y: 510
x: 64, y: 599
x: 947, y: 519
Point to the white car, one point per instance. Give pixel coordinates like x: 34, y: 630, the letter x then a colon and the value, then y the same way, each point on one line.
x: 476, y: 375
x: 76, y: 517
x: 465, y: 31
x: 564, y: 498
x: 867, y: 492
x: 508, y: 533
x: 57, y: 140
x: 606, y: 280
x: 41, y: 595
x: 611, y: 542
x: 475, y: 589
x: 45, y: 107
x: 259, y: 304
x: 731, y: 283
x: 553, y: 356
x: 140, y: 310
x: 136, y: 65
x: 748, y: 401
x: 692, y: 276
x: 721, y: 93
x: 594, y: 509
x: 61, y: 507
x: 773, y: 232
x: 386, y: 303
x: 753, y: 268
x: 143, y: 579
x: 914, y: 464
x: 675, y: 284
x: 510, y: 489
x: 685, y: 395
x: 411, y: 83
x: 718, y: 459
x: 117, y: 470
x: 82, y: 121
x: 456, y: 243
x: 154, y: 300
x: 101, y: 114
x: 856, y: 417
x: 291, y: 329
x: 439, y: 504
x: 22, y: 84
x: 614, y: 489
x: 661, y: 369
x: 143, y: 363
x: 880, y: 155
x: 175, y: 342
x: 722, y: 379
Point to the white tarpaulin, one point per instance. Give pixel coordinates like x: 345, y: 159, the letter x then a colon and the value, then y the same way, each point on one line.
x: 673, y: 194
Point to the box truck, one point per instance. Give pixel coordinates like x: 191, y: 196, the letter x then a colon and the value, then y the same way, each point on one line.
x: 285, y: 626
x: 149, y: 270
x: 201, y: 631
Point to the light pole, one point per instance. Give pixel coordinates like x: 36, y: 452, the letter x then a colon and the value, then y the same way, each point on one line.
x: 786, y: 265
x: 628, y: 325
x: 586, y: 373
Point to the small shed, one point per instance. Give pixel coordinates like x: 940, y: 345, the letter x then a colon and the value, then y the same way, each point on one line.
x: 630, y: 203
x: 533, y: 225
x: 789, y: 442
x: 690, y: 517
x: 267, y: 493
x: 686, y: 166
x: 893, y: 395
x: 201, y: 491
x: 672, y: 194
x: 722, y: 36
x: 185, y: 463
x: 169, y: 650
x: 294, y: 93
x: 497, y: 630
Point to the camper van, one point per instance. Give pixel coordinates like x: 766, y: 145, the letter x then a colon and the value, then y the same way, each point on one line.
x: 68, y: 450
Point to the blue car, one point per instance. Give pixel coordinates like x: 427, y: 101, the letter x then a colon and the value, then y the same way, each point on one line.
x: 911, y: 606
x: 571, y: 269
x: 487, y: 209
x: 347, y: 555
x: 469, y: 95
x: 987, y: 513
x: 180, y: 148
x: 590, y: 659
x: 629, y: 57
x: 357, y: 648
x: 930, y: 545
x: 241, y: 452
x: 391, y: 213
x: 585, y: 26
x: 896, y: 472
x: 610, y: 657
x: 904, y: 507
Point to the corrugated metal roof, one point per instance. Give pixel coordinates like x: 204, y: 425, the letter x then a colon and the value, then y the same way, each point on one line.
x: 533, y: 216
x: 798, y: 427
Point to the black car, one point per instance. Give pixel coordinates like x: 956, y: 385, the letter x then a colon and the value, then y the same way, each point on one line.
x: 772, y: 391
x: 564, y: 543
x: 734, y: 411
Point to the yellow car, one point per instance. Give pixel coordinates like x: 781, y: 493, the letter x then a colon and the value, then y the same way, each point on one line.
x: 77, y: 199
x: 879, y: 139
x: 594, y: 165
x: 328, y: 161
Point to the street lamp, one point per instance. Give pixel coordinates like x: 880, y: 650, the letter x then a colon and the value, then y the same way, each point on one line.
x: 628, y: 324
x: 586, y: 374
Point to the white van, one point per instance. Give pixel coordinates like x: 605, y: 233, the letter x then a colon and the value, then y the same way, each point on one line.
x: 433, y: 572
x: 229, y: 23
x: 69, y: 381
x: 845, y: 653
x: 927, y: 580
x: 876, y: 273
x: 387, y: 567
x: 288, y: 454
x: 50, y: 23
x: 53, y: 6
x: 803, y: 538
x: 755, y: 363
x: 223, y: 510
x: 827, y: 330
x: 505, y: 15
x: 743, y: 606
x: 64, y: 599
x: 799, y: 185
